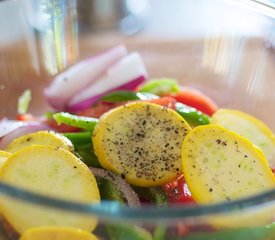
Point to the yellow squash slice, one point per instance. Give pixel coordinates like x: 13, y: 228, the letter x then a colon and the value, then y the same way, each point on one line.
x: 250, y: 127
x: 220, y: 165
x: 48, y: 138
x: 3, y: 157
x: 50, y: 171
x: 57, y: 233
x: 141, y: 142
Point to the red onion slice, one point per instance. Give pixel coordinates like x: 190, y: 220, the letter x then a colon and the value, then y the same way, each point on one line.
x: 90, y: 101
x: 121, y: 184
x: 7, y: 126
x: 125, y: 74
x: 66, y: 84
x: 23, y: 128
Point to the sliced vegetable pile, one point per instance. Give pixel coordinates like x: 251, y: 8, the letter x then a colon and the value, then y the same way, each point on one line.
x: 114, y: 136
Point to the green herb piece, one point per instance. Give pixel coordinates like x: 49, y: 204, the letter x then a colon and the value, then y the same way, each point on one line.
x: 24, y: 102
x: 161, y: 86
x: 120, y: 96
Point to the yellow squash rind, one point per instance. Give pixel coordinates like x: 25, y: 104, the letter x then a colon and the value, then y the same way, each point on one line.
x: 47, y: 138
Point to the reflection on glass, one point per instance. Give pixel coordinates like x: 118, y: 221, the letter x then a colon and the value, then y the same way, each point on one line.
x: 220, y: 54
x: 56, y: 23
x: 256, y: 83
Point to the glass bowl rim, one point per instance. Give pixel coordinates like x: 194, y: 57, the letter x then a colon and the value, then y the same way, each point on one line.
x: 114, y: 210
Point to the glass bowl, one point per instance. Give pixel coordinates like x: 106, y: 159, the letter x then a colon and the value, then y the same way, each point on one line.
x: 223, y: 48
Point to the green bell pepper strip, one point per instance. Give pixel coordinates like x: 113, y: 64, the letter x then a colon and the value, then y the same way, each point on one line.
x: 87, y: 123
x: 86, y: 154
x: 161, y: 86
x: 120, y: 231
x: 127, y: 231
x: 158, y: 196
x: 79, y: 138
x: 256, y: 233
x: 83, y: 147
x: 152, y: 194
x: 108, y: 191
x: 192, y: 115
x: 120, y: 96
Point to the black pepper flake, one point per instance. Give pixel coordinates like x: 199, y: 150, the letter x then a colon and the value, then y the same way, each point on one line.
x: 218, y: 141
x: 245, y: 156
x: 75, y: 166
x: 29, y: 139
x: 210, y: 189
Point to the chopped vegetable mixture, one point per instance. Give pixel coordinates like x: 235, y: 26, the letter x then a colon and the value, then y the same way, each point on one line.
x: 123, y: 137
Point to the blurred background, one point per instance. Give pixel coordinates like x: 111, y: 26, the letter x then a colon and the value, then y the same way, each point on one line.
x: 229, y: 43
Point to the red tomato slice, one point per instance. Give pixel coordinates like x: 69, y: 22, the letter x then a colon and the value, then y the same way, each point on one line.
x: 168, y: 102
x: 62, y: 128
x: 178, y: 192
x: 25, y: 117
x: 99, y: 109
x: 196, y: 99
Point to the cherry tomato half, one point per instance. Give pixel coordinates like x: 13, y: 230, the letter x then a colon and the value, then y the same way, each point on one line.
x: 178, y: 192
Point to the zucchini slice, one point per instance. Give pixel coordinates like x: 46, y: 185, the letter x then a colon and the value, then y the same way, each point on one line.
x: 53, y: 172
x: 250, y: 127
x: 141, y: 142
x: 220, y: 165
x: 48, y: 138
x: 57, y: 233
